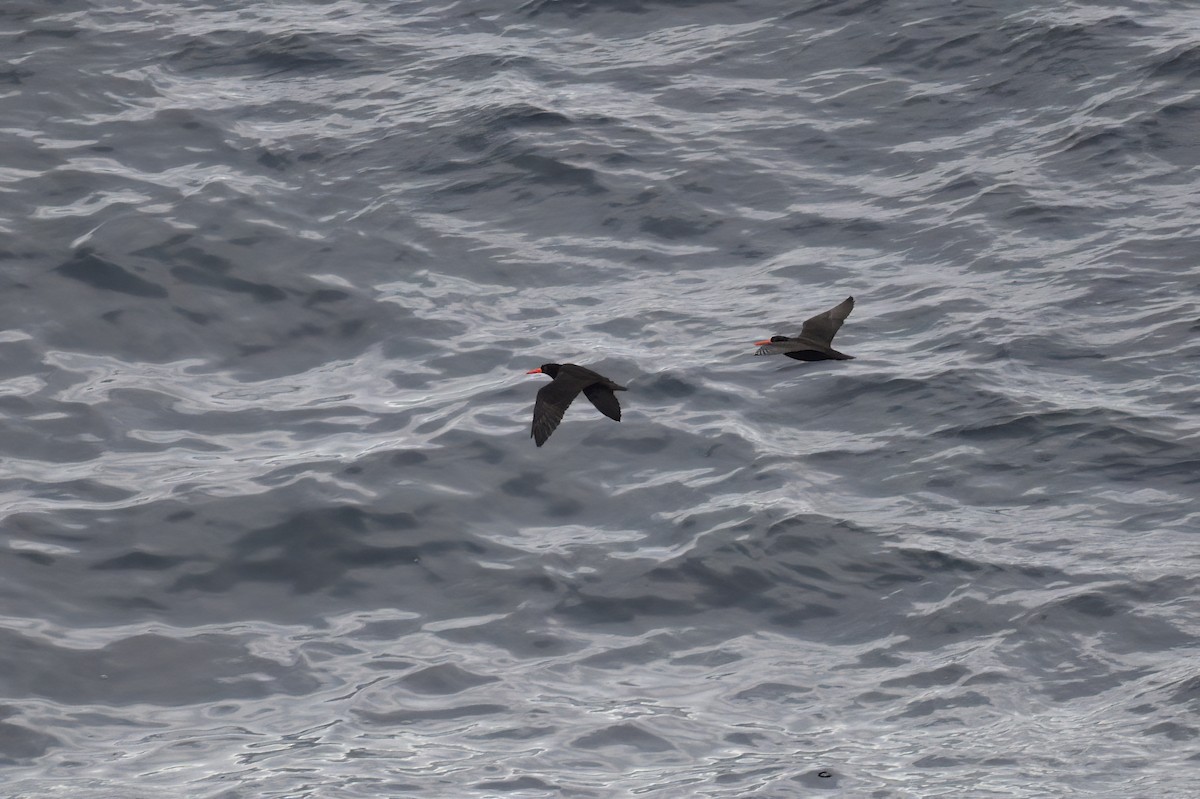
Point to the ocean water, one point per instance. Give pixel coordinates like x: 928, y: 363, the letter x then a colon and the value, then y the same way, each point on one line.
x: 271, y: 277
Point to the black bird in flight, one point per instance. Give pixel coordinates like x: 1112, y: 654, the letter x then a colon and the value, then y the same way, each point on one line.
x: 816, y: 336
x: 554, y: 398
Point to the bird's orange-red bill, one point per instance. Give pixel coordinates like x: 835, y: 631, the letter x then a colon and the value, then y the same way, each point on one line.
x: 761, y: 343
x: 536, y: 371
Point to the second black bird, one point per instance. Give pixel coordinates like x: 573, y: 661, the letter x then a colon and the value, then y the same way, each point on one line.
x: 814, y: 341
x: 567, y: 381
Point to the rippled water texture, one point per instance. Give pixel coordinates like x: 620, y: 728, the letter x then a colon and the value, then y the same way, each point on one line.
x: 272, y: 276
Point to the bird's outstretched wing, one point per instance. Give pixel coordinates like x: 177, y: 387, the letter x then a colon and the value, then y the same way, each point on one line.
x: 604, y: 400
x: 552, y: 402
x: 824, y: 326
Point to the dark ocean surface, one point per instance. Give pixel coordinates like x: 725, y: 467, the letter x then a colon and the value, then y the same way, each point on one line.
x: 271, y: 277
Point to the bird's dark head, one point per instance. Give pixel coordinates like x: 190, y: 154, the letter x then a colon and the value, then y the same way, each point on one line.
x: 548, y: 369
x: 772, y: 340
